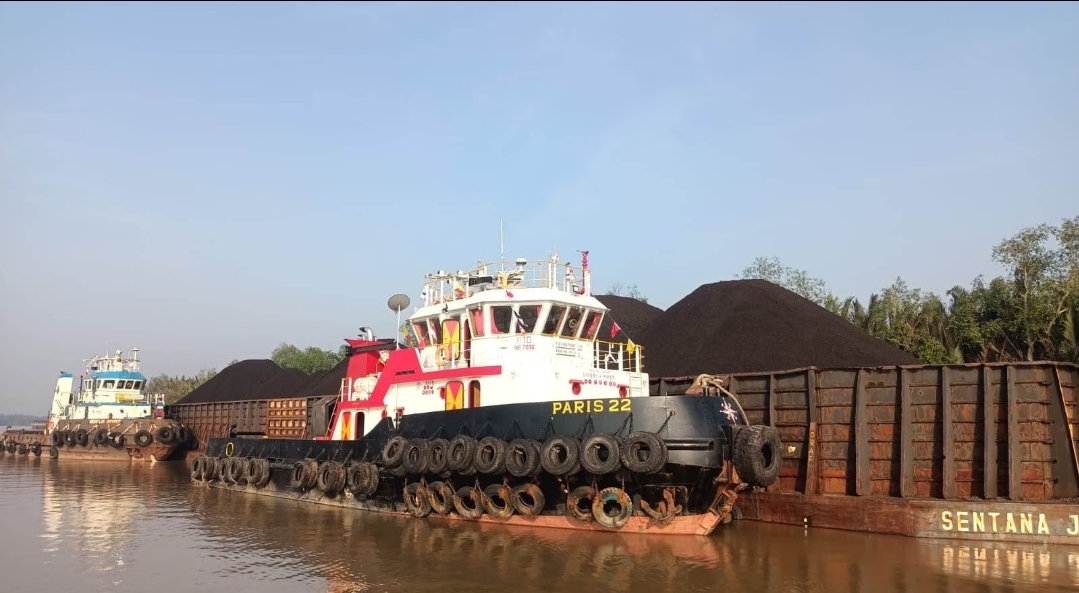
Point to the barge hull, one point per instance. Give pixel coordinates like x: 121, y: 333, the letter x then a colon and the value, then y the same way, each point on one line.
x: 909, y: 449
x: 1002, y: 521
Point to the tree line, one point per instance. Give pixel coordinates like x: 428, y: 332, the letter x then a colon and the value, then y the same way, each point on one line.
x: 1031, y: 312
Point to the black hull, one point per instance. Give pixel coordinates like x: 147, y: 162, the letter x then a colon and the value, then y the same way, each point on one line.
x: 696, y: 475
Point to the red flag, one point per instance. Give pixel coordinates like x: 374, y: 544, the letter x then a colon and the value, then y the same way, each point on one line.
x: 509, y: 294
x: 615, y: 329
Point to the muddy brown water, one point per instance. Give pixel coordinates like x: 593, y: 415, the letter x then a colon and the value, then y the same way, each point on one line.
x: 103, y: 527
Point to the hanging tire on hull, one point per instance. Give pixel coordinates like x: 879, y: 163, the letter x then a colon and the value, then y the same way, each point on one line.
x: 561, y: 456
x: 461, y: 454
x: 468, y: 502
x: 304, y: 475
x: 600, y: 454
x: 143, y: 438
x: 756, y: 456
x: 644, y: 453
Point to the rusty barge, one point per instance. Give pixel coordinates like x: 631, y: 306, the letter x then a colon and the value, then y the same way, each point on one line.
x: 971, y: 452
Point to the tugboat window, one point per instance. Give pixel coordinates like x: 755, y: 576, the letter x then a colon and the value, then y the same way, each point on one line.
x: 572, y: 321
x: 502, y: 319
x: 591, y: 325
x: 109, y: 384
x: 421, y: 332
x: 476, y: 314
x: 529, y: 315
x: 554, y: 318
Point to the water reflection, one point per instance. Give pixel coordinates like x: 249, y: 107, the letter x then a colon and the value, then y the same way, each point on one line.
x: 126, y: 528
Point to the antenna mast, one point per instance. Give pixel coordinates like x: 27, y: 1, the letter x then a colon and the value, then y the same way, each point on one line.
x: 501, y: 247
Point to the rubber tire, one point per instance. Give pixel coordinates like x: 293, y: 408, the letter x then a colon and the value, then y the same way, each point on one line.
x: 262, y: 468
x: 331, y: 477
x: 166, y: 435
x: 549, y: 459
x: 491, y: 456
x: 196, y: 467
x: 655, y: 459
x: 210, y: 467
x: 440, y: 496
x: 522, y: 458
x: 532, y: 491
x: 117, y: 440
x: 101, y: 437
x: 437, y: 456
x: 143, y: 438
x: 461, y: 455
x: 56, y: 438
x: 576, y: 495
x: 35, y: 449
x: 394, y: 451
x: 503, y: 493
x: 757, y: 455
x: 416, y: 500
x: 414, y: 461
x: 54, y: 452
x: 615, y: 495
x: 590, y: 459
x: 304, y: 475
x: 372, y: 478
x: 468, y: 492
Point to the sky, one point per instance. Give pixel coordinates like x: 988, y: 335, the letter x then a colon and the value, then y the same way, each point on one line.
x: 205, y: 181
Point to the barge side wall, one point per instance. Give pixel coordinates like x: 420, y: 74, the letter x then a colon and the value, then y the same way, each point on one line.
x: 947, y: 432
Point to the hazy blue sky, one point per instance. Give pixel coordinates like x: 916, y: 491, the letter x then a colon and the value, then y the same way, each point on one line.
x: 205, y: 181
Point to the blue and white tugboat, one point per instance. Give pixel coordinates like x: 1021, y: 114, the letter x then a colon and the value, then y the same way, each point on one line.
x: 108, y: 415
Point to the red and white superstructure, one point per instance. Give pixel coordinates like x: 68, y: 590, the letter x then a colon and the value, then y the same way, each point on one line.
x: 501, y: 333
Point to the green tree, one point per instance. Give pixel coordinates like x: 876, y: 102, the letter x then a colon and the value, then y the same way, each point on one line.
x: 176, y: 388
x: 793, y: 279
x: 309, y: 360
x: 1044, y: 280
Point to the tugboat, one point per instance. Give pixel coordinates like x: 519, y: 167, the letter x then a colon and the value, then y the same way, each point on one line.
x: 507, y: 408
x: 110, y: 417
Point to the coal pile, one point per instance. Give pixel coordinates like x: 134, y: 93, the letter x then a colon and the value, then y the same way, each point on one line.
x: 249, y: 380
x: 744, y: 326
x: 325, y: 383
x: 632, y: 316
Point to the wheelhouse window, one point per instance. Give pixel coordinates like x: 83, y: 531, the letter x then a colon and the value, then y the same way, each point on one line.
x: 502, y: 319
x: 109, y: 383
x: 435, y: 331
x: 554, y: 320
x: 422, y: 332
x: 475, y: 314
x: 591, y: 325
x: 573, y: 321
x: 528, y: 316
x: 138, y: 384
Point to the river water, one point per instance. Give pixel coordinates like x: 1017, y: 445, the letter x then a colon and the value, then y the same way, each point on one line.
x: 107, y: 527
